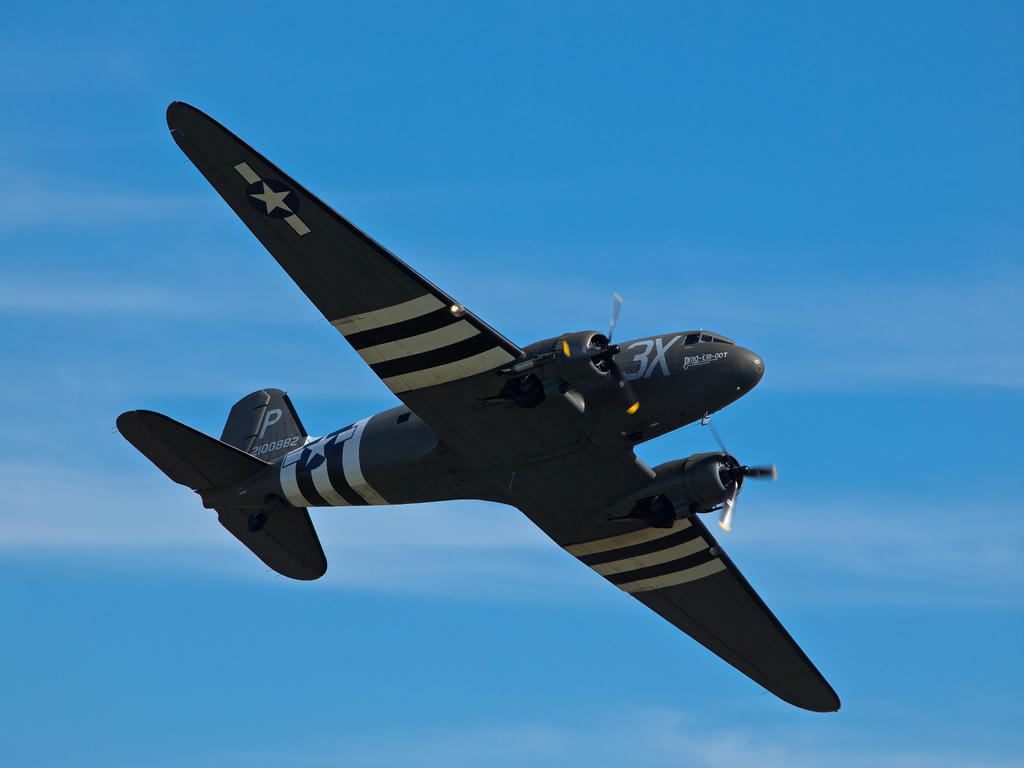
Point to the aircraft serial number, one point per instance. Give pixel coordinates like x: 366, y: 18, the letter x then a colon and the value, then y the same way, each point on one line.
x: 274, y: 445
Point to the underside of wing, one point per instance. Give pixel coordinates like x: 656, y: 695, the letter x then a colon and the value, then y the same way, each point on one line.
x: 683, y: 575
x: 411, y: 333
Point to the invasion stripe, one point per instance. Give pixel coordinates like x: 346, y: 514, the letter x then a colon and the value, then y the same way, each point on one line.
x: 662, y: 569
x: 671, y: 580
x: 414, y: 345
x: 336, y: 470
x: 304, y: 478
x: 644, y: 548
x: 435, y: 357
x: 321, y: 475
x: 289, y: 481
x: 624, y: 539
x: 396, y: 313
x: 429, y: 322
x: 442, y: 374
x: 654, y: 558
x: 353, y: 468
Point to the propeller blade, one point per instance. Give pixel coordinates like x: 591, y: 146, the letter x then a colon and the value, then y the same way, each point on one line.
x: 770, y: 472
x: 718, y: 437
x: 728, y: 507
x: 628, y: 393
x: 616, y: 306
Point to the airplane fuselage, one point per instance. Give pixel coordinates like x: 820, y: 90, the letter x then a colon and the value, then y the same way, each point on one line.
x: 394, y: 457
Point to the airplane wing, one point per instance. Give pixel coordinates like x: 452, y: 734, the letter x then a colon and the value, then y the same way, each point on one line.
x: 411, y: 333
x: 684, y: 575
x: 440, y: 359
x: 434, y: 354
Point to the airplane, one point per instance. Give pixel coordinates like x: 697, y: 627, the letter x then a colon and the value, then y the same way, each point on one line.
x: 548, y: 428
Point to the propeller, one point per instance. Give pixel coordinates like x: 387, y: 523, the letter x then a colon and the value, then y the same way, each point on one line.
x: 604, y: 356
x: 734, y: 474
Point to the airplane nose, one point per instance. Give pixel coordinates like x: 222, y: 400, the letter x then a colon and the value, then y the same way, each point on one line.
x: 749, y: 368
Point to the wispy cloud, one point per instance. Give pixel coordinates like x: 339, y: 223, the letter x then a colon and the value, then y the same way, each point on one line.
x: 20, y: 295
x: 32, y: 200
x: 628, y: 736
x: 921, y: 556
x: 458, y: 549
x: 903, y: 553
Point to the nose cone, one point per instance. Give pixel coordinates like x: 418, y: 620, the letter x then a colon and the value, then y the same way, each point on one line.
x: 749, y: 369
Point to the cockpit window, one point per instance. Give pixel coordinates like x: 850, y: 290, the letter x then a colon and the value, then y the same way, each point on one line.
x: 705, y: 337
x: 721, y: 341
x: 691, y: 338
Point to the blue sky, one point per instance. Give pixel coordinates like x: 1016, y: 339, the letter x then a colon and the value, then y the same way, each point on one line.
x: 838, y: 187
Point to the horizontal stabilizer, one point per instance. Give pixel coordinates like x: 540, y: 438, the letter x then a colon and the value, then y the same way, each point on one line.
x: 186, y: 455
x: 287, y: 541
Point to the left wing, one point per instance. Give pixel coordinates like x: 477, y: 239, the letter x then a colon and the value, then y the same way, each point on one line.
x: 683, y: 575
x: 437, y: 356
x: 412, y: 334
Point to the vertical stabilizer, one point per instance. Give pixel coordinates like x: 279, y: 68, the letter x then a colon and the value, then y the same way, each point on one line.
x: 264, y: 424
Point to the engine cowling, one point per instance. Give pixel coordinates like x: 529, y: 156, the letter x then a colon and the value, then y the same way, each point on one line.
x: 704, y: 479
x: 699, y: 483
x: 577, y: 357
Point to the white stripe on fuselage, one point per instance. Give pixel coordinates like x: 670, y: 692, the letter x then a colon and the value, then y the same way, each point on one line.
x: 289, y: 480
x: 353, y: 468
x: 321, y: 479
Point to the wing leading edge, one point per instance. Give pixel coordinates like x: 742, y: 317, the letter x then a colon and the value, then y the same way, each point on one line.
x: 683, y: 575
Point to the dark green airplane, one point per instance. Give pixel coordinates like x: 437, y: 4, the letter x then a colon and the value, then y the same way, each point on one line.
x: 548, y: 428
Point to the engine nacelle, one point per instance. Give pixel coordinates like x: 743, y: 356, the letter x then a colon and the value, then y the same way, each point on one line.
x: 683, y: 487
x: 574, y: 357
x: 702, y: 479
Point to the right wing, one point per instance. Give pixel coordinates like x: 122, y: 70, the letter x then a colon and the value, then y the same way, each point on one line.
x: 683, y: 575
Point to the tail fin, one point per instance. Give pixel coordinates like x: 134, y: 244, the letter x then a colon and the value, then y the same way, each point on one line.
x: 281, y: 535
x: 185, y: 455
x: 264, y: 424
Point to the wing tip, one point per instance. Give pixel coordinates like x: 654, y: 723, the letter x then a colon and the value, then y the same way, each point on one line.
x: 180, y: 111
x: 821, y: 701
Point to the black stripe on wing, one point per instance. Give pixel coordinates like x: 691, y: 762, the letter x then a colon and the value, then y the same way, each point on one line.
x: 644, y: 548
x: 432, y: 321
x: 435, y: 357
x: 663, y: 569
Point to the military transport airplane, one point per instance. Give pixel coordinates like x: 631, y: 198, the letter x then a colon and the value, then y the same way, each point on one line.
x: 548, y: 428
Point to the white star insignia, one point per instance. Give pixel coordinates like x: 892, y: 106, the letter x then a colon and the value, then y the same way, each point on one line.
x: 319, y: 448
x: 273, y: 200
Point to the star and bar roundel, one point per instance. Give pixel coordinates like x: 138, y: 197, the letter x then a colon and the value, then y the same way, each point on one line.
x: 273, y: 198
